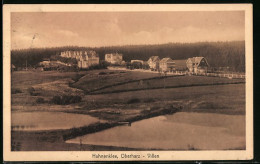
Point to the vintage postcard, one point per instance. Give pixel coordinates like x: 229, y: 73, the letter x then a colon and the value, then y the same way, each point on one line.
x: 128, y: 82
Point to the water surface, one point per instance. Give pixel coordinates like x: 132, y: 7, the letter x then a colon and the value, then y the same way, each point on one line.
x: 30, y: 121
x: 180, y: 131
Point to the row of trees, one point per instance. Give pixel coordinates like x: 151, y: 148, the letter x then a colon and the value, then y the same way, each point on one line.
x: 218, y: 54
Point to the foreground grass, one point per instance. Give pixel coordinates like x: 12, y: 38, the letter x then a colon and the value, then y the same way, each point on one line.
x: 24, y: 79
x: 45, y: 84
x: 228, y: 99
x: 95, y: 79
x: 169, y: 82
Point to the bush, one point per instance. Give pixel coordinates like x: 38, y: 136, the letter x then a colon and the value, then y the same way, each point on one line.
x: 31, y: 90
x: 56, y: 99
x: 77, y: 77
x: 149, y: 100
x: 101, y: 65
x: 40, y: 100
x: 102, y: 73
x: 65, y: 99
x: 68, y: 68
x: 134, y: 100
x: 15, y: 90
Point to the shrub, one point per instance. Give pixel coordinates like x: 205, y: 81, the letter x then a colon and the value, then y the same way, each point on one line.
x: 56, y: 99
x: 76, y: 99
x: 15, y: 90
x: 65, y: 99
x: 31, y: 90
x: 134, y: 100
x: 77, y: 77
x: 102, y: 73
x: 149, y: 100
x: 40, y: 100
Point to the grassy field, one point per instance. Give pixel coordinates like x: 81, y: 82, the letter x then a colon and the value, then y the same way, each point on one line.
x: 112, y: 107
x: 198, y: 98
x: 175, y: 81
x: 228, y: 99
x: 101, y: 78
x: 45, y: 85
x: 24, y: 79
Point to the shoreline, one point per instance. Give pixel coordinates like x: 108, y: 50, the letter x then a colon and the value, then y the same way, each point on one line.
x: 59, y: 137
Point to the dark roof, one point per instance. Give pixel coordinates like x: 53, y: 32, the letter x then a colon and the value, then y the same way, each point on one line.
x: 197, y: 60
x: 180, y: 64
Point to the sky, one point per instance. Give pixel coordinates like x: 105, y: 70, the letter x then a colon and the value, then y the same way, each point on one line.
x: 95, y: 29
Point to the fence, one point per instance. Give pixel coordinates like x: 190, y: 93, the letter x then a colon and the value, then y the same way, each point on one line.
x: 227, y: 75
x: 169, y: 73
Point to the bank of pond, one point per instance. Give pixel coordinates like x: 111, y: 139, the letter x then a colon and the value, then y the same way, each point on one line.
x: 175, y: 131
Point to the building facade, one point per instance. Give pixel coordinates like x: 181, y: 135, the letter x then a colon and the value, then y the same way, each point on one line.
x: 85, y: 58
x: 88, y: 59
x: 197, y: 65
x: 167, y: 64
x: 114, y: 58
x: 154, y: 62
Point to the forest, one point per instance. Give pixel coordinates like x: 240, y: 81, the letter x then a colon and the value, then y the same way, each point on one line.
x: 218, y: 54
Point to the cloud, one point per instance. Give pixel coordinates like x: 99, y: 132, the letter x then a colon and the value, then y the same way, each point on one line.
x: 67, y: 33
x: 20, y: 40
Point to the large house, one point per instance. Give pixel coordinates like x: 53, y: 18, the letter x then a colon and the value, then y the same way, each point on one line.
x: 85, y: 58
x: 88, y: 59
x: 167, y: 64
x: 114, y: 58
x: 197, y: 64
x: 153, y: 62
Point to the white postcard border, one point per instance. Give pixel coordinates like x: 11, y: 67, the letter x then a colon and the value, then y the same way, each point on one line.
x: 87, y: 155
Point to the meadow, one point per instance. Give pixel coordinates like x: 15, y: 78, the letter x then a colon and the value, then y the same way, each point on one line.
x: 98, y: 79
x: 169, y: 82
x: 140, y: 94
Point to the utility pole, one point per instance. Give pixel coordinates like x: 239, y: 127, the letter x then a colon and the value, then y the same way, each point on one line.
x: 26, y: 65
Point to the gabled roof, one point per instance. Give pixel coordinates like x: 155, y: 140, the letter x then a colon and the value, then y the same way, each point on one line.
x: 154, y: 58
x: 164, y: 60
x: 197, y: 60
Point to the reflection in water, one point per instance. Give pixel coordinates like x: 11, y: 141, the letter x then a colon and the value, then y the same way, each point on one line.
x: 29, y: 121
x: 180, y: 131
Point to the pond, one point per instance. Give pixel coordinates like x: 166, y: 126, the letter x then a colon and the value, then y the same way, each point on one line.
x: 180, y: 131
x: 34, y: 121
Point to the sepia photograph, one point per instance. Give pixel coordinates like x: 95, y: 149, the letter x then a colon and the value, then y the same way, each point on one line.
x: 128, y: 82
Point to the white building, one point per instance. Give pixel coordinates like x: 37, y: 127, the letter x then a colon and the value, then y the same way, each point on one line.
x: 114, y: 58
